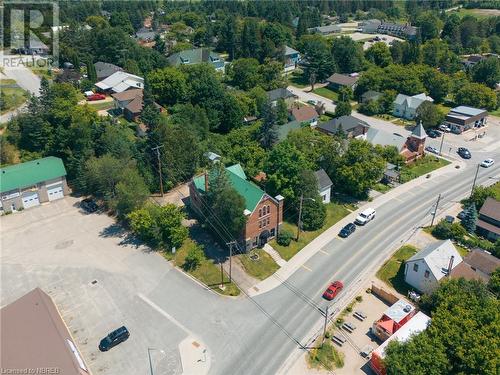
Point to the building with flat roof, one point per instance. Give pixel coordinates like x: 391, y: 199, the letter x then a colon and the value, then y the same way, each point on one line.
x: 29, y: 184
x: 393, y: 319
x: 418, y: 323
x: 463, y: 118
x: 34, y: 336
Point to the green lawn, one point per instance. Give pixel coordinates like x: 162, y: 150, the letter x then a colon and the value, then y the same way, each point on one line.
x: 14, y: 96
x: 334, y: 213
x: 208, y: 272
x: 382, y: 188
x: 98, y: 106
x: 496, y: 112
x: 326, y: 357
x: 327, y: 93
x: 297, y: 79
x: 478, y: 13
x: 422, y: 166
x: 393, y: 271
x: 261, y: 268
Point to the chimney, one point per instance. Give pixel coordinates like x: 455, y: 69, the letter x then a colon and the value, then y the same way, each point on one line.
x: 206, y: 181
x: 450, y: 266
x: 280, y: 200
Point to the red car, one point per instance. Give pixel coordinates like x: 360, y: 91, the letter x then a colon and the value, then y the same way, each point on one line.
x: 94, y: 97
x: 332, y: 291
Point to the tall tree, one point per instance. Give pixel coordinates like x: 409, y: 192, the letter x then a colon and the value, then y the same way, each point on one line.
x: 487, y: 72
x: 267, y: 134
x: 470, y: 219
x: 347, y: 54
x: 379, y: 54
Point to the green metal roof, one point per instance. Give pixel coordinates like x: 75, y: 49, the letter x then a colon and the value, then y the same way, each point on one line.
x: 248, y: 190
x: 19, y: 176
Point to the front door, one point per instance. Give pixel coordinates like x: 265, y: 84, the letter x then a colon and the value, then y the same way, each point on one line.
x: 264, y: 236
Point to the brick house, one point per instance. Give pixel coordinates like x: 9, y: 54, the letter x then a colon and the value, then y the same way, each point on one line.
x: 264, y: 213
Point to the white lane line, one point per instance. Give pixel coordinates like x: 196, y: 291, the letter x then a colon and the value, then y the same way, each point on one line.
x: 306, y: 268
x: 164, y: 313
x: 323, y: 252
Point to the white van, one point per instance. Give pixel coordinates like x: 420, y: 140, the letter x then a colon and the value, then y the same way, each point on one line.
x: 365, y: 216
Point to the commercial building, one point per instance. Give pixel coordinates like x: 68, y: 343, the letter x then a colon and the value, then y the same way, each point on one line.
x: 34, y: 337
x: 414, y: 326
x: 29, y: 184
x: 463, y: 118
x: 393, y: 319
x: 264, y: 213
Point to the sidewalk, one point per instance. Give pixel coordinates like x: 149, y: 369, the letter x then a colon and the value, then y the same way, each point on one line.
x: 195, y: 357
x: 319, y: 242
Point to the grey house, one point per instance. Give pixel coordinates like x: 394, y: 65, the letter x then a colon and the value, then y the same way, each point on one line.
x: 104, y: 70
x: 29, y: 184
x: 351, y: 126
x: 281, y: 93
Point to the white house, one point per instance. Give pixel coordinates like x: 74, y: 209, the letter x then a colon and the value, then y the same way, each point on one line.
x: 406, y: 106
x: 119, y: 82
x: 324, y: 185
x: 425, y: 269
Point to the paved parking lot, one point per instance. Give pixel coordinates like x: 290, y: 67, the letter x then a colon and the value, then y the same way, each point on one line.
x: 98, y: 280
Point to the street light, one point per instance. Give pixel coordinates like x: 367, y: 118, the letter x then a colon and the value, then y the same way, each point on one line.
x: 149, y: 356
x: 299, y: 224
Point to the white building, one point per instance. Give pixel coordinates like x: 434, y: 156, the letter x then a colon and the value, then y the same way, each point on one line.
x: 406, y: 106
x: 425, y: 269
x: 324, y: 185
x: 119, y: 82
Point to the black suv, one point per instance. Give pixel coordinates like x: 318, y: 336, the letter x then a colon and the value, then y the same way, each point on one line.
x: 433, y: 133
x: 89, y: 205
x: 114, y: 338
x: 463, y: 152
x: 347, y: 230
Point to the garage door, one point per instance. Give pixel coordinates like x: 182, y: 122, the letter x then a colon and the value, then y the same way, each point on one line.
x: 30, y: 199
x: 55, y: 192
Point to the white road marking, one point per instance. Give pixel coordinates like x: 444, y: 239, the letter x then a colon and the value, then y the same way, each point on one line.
x: 164, y: 313
x: 306, y: 268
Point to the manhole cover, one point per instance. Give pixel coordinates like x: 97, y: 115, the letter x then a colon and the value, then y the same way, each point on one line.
x: 254, y: 256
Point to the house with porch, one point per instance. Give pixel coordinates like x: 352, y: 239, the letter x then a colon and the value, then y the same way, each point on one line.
x: 264, y: 214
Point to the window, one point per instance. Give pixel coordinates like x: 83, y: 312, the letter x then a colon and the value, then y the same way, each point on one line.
x: 415, y: 267
x: 324, y: 197
x: 260, y: 224
x: 273, y: 232
x: 426, y: 274
x: 268, y: 209
x: 268, y: 221
x: 260, y: 212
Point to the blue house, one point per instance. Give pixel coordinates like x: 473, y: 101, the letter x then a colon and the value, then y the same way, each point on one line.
x: 292, y: 58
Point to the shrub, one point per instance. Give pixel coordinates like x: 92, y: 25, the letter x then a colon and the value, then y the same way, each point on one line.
x: 359, y: 298
x: 284, y: 238
x: 194, y: 258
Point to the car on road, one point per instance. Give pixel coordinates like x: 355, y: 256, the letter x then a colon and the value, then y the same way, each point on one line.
x: 365, y: 216
x: 94, y: 97
x: 89, y: 205
x: 434, y: 150
x: 312, y: 102
x: 347, y: 230
x: 114, y: 338
x: 333, y: 290
x: 433, y: 133
x: 444, y: 127
x: 464, y: 153
x: 487, y: 163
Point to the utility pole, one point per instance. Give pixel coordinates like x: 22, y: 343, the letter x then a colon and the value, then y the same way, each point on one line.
x: 475, y: 178
x: 221, y: 277
x: 441, y: 145
x: 324, y: 327
x: 435, y: 210
x: 157, y: 149
x: 230, y: 245
x: 300, y: 216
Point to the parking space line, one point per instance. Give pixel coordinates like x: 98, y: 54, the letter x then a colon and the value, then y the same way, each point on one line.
x: 164, y: 313
x: 323, y: 252
x: 306, y: 268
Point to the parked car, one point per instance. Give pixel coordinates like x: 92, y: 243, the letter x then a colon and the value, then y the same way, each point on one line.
x: 450, y: 219
x: 444, y: 128
x: 312, y: 102
x: 487, y: 163
x: 347, y: 230
x: 434, y: 150
x: 365, y: 216
x: 464, y: 153
x: 114, y: 338
x: 433, y: 133
x: 461, y: 215
x: 95, y: 97
x: 89, y: 205
x: 333, y: 290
